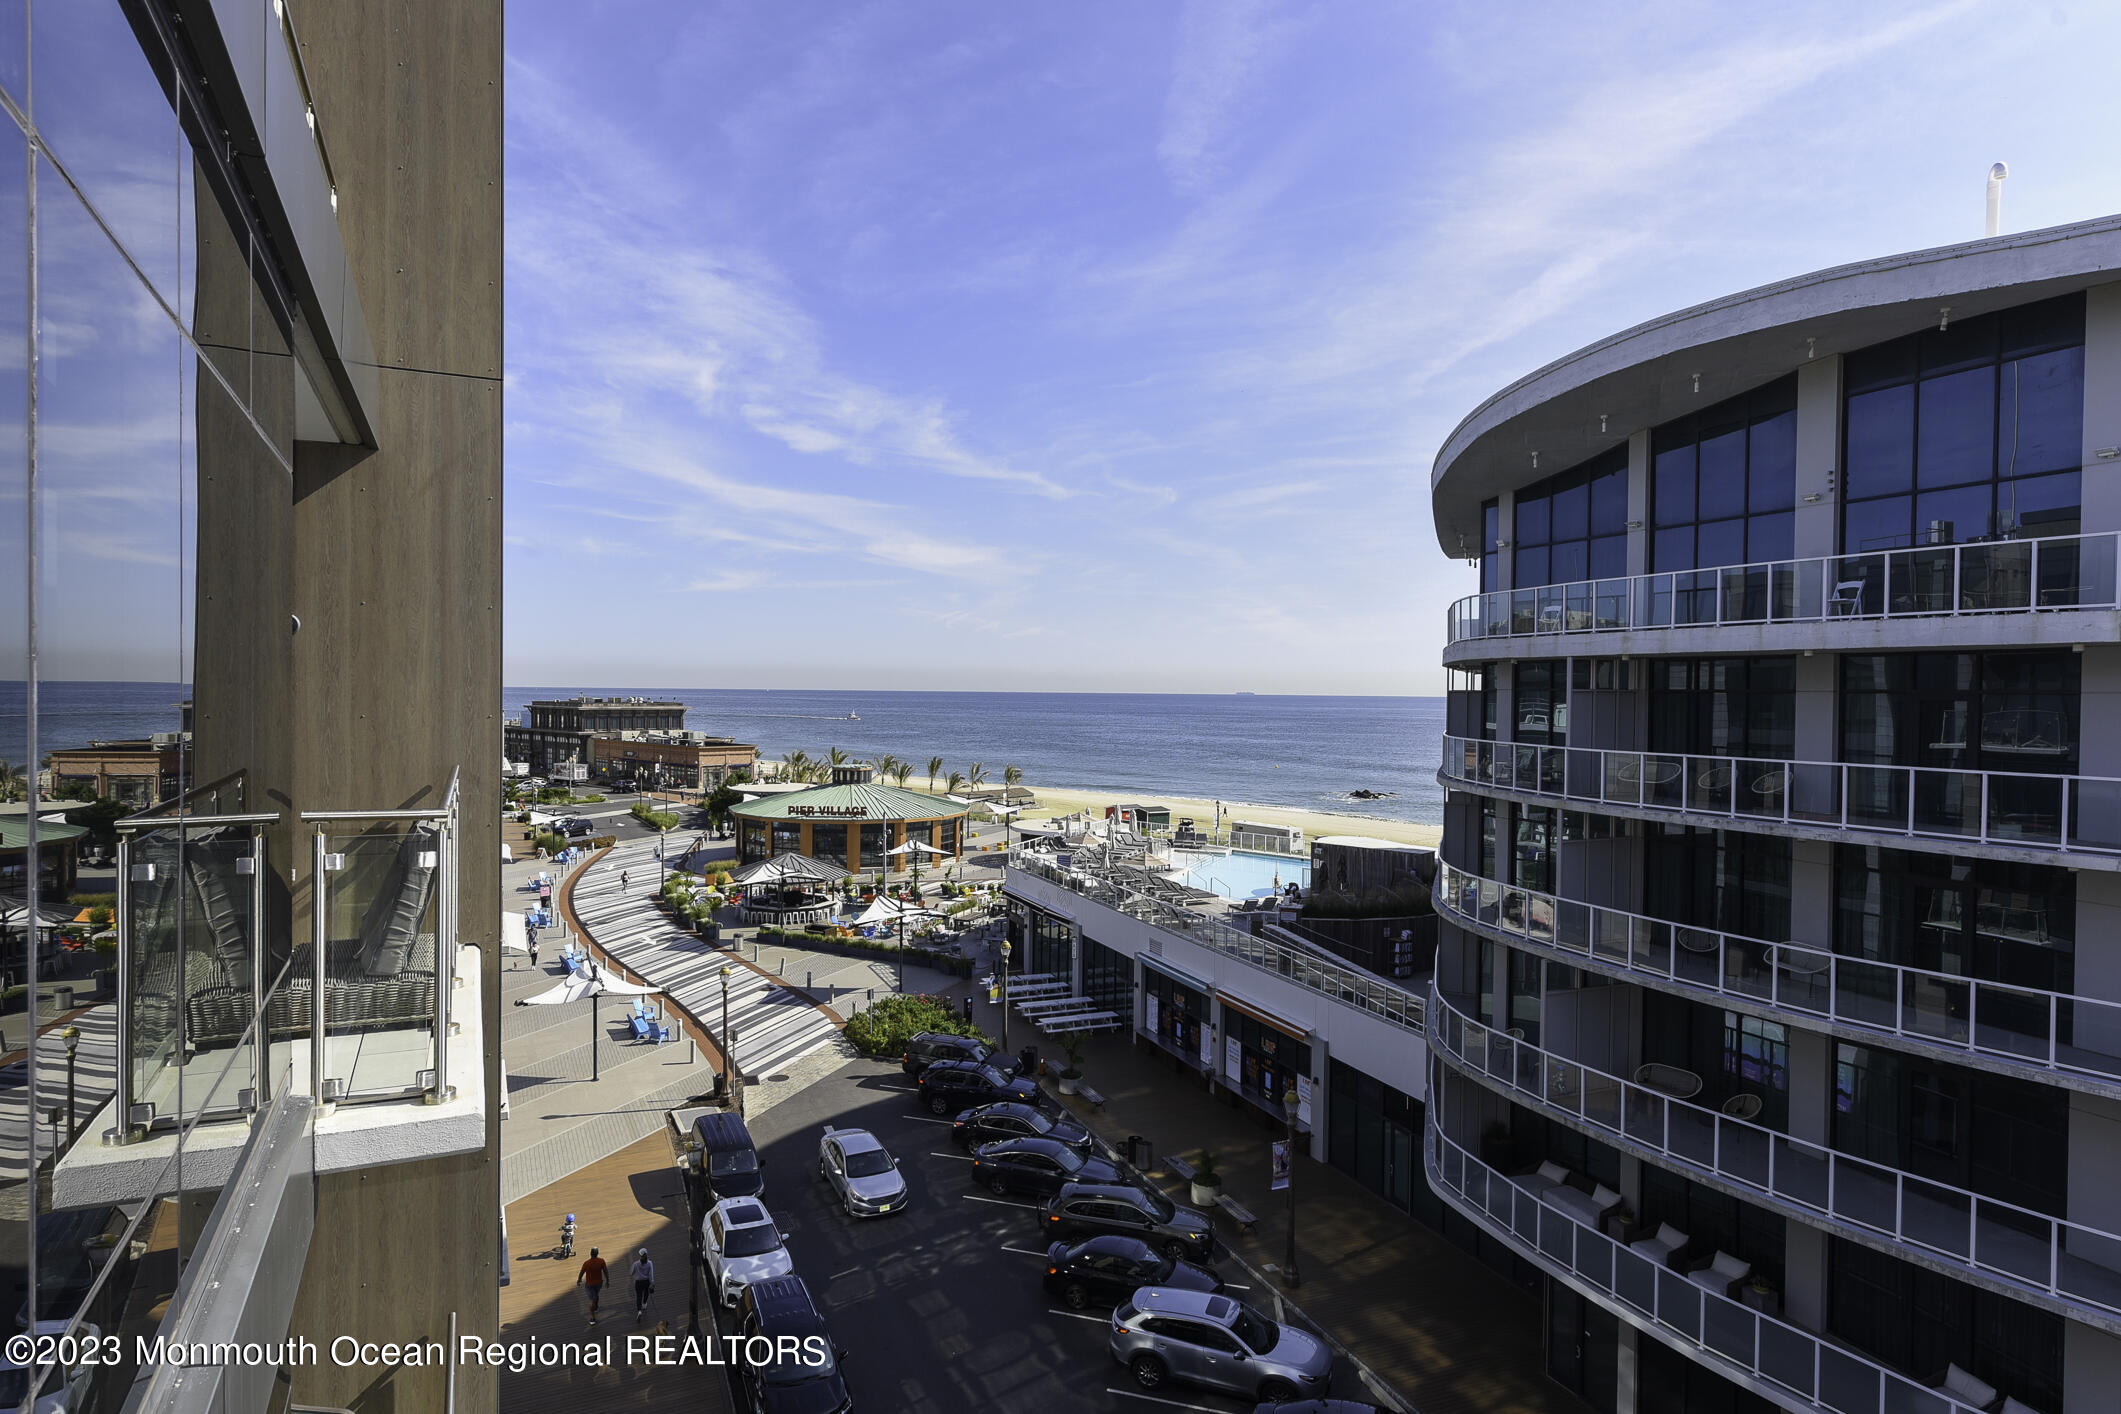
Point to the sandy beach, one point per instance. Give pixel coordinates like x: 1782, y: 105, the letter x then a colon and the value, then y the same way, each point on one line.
x: 1058, y: 801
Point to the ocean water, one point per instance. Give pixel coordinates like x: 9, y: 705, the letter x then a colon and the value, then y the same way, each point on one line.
x: 1302, y: 752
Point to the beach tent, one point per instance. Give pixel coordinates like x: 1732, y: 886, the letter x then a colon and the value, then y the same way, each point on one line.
x: 515, y: 937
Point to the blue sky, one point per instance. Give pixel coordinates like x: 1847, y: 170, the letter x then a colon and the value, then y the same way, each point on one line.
x: 1108, y: 347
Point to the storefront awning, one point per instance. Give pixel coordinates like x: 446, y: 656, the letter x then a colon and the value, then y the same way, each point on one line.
x: 1264, y: 1017
x: 1156, y: 964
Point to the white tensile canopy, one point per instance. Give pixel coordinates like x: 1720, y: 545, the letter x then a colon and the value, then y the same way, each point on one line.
x: 916, y: 847
x: 792, y: 868
x: 589, y: 981
x: 886, y: 910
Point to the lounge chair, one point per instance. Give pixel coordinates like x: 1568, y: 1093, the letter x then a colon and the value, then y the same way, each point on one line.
x: 1590, y: 1209
x: 1721, y: 1274
x: 1548, y: 1175
x: 1662, y: 1246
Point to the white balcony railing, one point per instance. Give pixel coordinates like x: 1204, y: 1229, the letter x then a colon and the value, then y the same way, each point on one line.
x: 2064, y: 1261
x: 2067, y: 814
x: 1361, y: 990
x: 1992, y: 577
x: 1709, y: 1326
x: 2022, y: 1025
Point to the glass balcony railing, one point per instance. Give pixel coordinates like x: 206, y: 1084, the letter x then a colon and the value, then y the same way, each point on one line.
x: 1361, y: 990
x: 1988, y: 577
x: 2063, y: 1261
x: 2028, y: 1028
x: 359, y: 1012
x: 1708, y: 1325
x: 2066, y: 814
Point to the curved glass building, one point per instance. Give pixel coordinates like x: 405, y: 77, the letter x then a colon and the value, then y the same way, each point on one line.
x: 1777, y: 1010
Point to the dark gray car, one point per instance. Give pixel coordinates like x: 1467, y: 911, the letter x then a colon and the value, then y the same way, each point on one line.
x: 1202, y: 1338
x: 1088, y: 1209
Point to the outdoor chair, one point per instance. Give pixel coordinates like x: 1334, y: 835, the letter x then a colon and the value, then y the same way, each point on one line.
x: 1721, y: 1274
x: 1963, y: 1387
x: 1546, y: 1176
x: 1743, y: 1106
x: 1665, y: 1244
x: 1670, y: 1080
x: 1591, y: 1209
x: 1847, y: 599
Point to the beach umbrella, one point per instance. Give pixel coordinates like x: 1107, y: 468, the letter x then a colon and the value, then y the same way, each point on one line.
x: 515, y: 934
x: 589, y: 981
x: 886, y: 910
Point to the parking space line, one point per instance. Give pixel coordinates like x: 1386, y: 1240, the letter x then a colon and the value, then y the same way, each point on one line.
x: 1021, y: 1251
x: 1057, y: 1311
x: 947, y: 1154
x: 1004, y: 1202
x: 1154, y: 1399
x: 929, y: 1119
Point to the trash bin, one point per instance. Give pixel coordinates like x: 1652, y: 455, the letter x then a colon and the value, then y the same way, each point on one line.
x: 1027, y: 1062
x: 1134, y: 1149
x: 968, y: 1007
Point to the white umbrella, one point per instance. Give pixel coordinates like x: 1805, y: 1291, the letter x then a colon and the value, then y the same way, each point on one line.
x: 916, y: 847
x: 591, y: 982
x: 886, y: 910
x: 1004, y: 809
x: 515, y: 934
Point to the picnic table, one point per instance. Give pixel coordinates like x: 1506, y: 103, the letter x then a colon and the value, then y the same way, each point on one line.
x: 1047, y: 1004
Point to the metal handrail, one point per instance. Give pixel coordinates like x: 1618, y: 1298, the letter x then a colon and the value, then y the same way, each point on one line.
x: 2045, y: 575
x: 1364, y: 991
x: 1706, y: 1325
x: 1802, y: 982
x: 2030, y: 810
x: 1805, y: 1180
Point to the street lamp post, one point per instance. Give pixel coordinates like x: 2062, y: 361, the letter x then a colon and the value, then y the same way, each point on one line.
x: 1005, y: 996
x: 1288, y: 1264
x: 72, y: 1037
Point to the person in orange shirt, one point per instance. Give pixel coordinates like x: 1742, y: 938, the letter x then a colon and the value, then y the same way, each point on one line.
x: 592, y: 1276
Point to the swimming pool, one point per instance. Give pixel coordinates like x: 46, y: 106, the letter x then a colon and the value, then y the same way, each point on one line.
x: 1241, y: 873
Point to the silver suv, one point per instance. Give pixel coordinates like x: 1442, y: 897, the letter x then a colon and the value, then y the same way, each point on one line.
x: 1199, y: 1337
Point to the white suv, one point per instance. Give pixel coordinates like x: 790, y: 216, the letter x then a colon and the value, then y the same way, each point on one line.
x: 741, y: 1244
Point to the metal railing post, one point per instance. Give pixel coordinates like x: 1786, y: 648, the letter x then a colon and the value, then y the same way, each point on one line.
x: 317, y: 903
x: 125, y: 988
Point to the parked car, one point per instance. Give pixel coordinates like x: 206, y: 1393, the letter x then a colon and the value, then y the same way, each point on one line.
x: 728, y: 1158
x: 740, y: 1244
x: 1193, y: 1337
x: 862, y: 1172
x: 576, y: 827
x: 1007, y: 1119
x: 1038, y: 1166
x: 929, y: 1047
x: 804, y: 1375
x: 1090, y: 1209
x: 1110, y: 1269
x: 950, y: 1086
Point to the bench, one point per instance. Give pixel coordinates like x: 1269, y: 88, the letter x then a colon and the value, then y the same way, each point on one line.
x: 1237, y: 1212
x: 1179, y: 1169
x: 1090, y: 1097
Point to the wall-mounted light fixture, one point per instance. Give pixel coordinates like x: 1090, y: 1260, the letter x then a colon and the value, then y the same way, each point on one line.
x: 1601, y: 421
x: 1502, y: 544
x: 1811, y: 348
x: 1634, y: 525
x: 1813, y: 498
x: 2106, y: 454
x: 1697, y: 382
x: 1944, y: 317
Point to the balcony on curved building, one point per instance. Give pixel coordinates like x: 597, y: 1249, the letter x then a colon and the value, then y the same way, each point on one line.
x: 2061, y: 589
x: 1776, y: 1358
x: 2040, y: 1035
x: 2006, y: 814
x: 2068, y: 1267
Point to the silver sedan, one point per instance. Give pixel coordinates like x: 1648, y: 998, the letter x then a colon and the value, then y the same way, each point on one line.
x: 861, y: 1171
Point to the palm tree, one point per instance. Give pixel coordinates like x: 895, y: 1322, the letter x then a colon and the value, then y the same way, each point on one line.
x: 974, y: 774
x: 14, y: 783
x: 838, y: 757
x: 900, y: 771
x: 1012, y: 775
x: 935, y: 768
x: 884, y: 765
x: 795, y: 766
x: 955, y: 784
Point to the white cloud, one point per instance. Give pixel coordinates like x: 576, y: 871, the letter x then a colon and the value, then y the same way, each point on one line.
x: 1222, y: 48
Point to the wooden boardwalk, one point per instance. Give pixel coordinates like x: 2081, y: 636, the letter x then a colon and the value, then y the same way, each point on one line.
x: 629, y: 1200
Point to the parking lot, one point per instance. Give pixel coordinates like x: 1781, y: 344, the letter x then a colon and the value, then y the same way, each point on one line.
x: 942, y: 1308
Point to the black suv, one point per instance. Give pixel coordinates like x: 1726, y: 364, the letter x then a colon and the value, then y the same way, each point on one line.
x: 1011, y: 1120
x: 1108, y: 1270
x: 1090, y: 1209
x: 949, y: 1086
x: 929, y: 1047
x: 576, y: 827
x: 1040, y: 1166
x: 803, y: 1376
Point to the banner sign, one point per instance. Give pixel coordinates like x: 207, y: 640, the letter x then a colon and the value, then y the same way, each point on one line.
x: 1303, y: 1100
x: 1281, y: 1165
x: 1233, y: 1058
x: 1207, y: 1050
x: 1152, y: 1013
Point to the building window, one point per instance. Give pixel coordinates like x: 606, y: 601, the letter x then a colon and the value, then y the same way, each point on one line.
x: 757, y: 843
x: 1373, y: 1134
x: 1744, y: 707
x: 787, y: 837
x: 947, y: 829
x: 1052, y: 946
x: 1490, y: 550
x: 1268, y: 1060
x: 1108, y: 977
x: 1973, y: 431
x: 1723, y: 487
x: 1573, y: 526
x: 829, y: 843
x: 2009, y: 712
x: 1996, y: 1135
x: 875, y: 840
x: 1541, y: 695
x: 1921, y: 1321
x: 1173, y: 1013
x: 1727, y: 880
x: 1997, y: 920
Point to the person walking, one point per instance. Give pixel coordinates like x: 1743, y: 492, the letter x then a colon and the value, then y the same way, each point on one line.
x: 592, y: 1277
x: 643, y: 1284
x: 622, y: 881
x: 533, y: 950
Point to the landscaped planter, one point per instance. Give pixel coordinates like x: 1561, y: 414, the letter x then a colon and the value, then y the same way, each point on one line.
x: 1068, y: 1083
x: 1205, y: 1194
